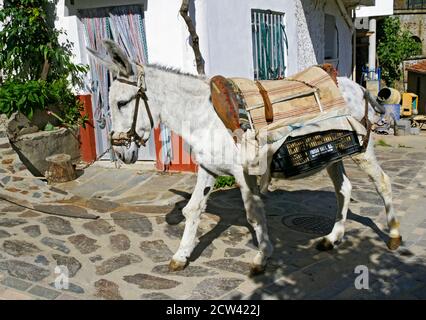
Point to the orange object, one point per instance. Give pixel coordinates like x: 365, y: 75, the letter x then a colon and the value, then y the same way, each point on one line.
x: 87, y: 135
x: 181, y: 161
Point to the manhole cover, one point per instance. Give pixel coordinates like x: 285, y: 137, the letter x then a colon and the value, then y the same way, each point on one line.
x: 309, y: 223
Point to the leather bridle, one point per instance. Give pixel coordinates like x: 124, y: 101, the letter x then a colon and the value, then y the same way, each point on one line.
x: 126, y: 138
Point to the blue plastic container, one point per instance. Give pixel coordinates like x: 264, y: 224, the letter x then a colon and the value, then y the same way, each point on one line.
x: 393, y: 109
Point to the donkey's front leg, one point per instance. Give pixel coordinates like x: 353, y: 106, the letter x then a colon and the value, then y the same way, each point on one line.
x: 343, y: 188
x: 192, y: 212
x: 257, y: 219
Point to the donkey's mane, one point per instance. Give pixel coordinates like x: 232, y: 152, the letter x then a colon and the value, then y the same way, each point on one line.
x: 175, y: 71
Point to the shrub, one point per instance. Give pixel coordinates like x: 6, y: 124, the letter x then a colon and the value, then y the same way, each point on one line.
x: 394, y: 46
x: 224, y: 181
x: 37, y: 68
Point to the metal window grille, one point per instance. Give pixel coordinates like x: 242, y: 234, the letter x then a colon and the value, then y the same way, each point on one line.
x: 269, y: 40
x: 416, y: 4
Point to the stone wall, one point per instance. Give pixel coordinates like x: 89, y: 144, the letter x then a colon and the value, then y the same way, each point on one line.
x: 416, y: 24
x: 310, y: 17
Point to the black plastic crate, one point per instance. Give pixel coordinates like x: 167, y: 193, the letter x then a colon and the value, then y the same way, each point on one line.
x: 312, y: 152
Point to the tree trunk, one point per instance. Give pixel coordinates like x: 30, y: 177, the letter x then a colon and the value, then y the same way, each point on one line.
x: 60, y: 169
x: 194, y: 36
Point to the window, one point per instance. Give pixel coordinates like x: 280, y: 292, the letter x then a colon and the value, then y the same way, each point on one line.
x: 330, y: 38
x: 270, y: 45
x: 416, y: 4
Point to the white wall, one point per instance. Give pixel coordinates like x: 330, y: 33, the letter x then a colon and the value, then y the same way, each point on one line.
x: 167, y: 36
x: 344, y: 39
x: 224, y: 28
x: 227, y: 30
x: 382, y: 8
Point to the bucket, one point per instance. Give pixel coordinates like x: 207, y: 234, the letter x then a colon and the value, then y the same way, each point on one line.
x: 393, y: 111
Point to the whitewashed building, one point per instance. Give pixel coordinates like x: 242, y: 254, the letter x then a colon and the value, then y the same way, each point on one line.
x: 244, y: 38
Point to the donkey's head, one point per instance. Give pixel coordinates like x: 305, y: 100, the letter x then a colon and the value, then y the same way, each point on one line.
x: 132, y: 121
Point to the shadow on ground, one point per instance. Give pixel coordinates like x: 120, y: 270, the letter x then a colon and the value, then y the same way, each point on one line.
x: 297, y: 270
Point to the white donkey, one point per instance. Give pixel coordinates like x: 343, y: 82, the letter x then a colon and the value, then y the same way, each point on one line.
x: 142, y: 97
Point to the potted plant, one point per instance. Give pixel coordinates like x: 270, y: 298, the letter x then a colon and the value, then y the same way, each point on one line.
x: 38, y: 77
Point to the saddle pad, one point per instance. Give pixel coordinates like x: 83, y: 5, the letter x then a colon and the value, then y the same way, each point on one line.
x: 293, y: 98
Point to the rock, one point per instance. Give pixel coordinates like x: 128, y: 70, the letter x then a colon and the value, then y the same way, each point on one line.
x: 65, y: 210
x: 83, y: 243
x: 102, y: 206
x: 136, y: 223
x: 233, y: 235
x: 4, y: 234
x: 29, y: 214
x: 13, y: 208
x: 71, y: 288
x: 95, y: 258
x: 208, y: 252
x: 18, y: 124
x: 32, y: 231
x: 146, y: 281
x: 230, y: 265
x: 155, y: 296
x: 174, y: 231
x: 71, y: 263
x: 118, y: 262
x: 234, y: 252
x: 214, y: 288
x: 98, y: 227
x: 107, y: 290
x: 57, y: 226
x: 42, y: 260
x: 156, y: 250
x: 11, y: 222
x: 24, y: 270
x: 119, y: 242
x: 55, y: 244
x: 18, y: 248
x: 189, y: 271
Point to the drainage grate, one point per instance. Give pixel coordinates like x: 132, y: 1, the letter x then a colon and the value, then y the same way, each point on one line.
x: 309, y: 223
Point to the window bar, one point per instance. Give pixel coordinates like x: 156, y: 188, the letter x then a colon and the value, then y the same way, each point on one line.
x: 264, y: 46
x: 255, y: 44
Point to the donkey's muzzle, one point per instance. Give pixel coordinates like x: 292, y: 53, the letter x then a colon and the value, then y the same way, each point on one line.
x: 124, y: 139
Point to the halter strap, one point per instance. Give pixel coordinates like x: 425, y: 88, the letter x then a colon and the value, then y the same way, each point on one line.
x: 132, y: 135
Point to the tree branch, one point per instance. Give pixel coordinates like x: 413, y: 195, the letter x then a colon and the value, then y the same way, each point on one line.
x: 194, y: 36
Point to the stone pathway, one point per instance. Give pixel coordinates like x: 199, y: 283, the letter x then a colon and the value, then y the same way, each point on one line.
x: 124, y: 254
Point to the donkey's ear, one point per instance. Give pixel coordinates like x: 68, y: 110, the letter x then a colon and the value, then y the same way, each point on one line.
x: 103, y: 59
x: 119, y: 57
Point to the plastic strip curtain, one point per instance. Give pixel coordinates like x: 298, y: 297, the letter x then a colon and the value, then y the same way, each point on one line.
x: 269, y: 45
x: 97, y: 29
x: 128, y: 30
x: 125, y: 25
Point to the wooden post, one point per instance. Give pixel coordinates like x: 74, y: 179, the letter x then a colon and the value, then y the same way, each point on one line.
x: 60, y: 168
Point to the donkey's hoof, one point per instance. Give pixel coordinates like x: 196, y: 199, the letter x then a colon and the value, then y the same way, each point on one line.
x: 256, y: 270
x: 176, y: 265
x: 394, y: 243
x: 325, y: 245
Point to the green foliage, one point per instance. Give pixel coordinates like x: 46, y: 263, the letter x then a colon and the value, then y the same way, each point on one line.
x: 28, y: 44
x: 394, y: 46
x: 382, y: 143
x: 224, y: 181
x: 39, y: 94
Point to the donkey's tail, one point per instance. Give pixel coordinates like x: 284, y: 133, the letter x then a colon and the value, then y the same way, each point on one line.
x: 373, y: 102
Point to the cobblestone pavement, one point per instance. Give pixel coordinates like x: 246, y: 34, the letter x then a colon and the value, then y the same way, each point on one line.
x: 124, y: 254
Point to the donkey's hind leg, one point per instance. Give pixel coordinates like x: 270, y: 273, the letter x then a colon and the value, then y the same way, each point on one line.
x: 256, y: 217
x: 343, y: 188
x: 368, y: 163
x: 192, y: 212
